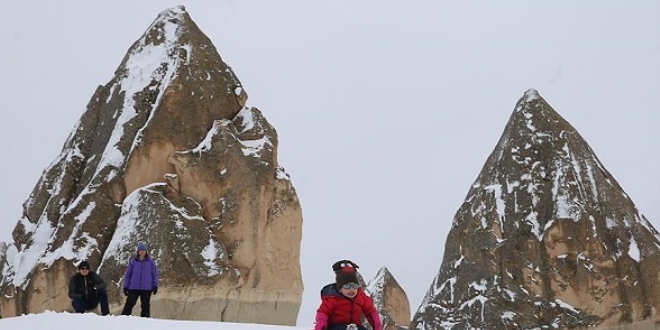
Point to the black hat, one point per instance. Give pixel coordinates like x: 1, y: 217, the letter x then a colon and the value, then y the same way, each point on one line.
x: 83, y: 264
x: 346, y: 272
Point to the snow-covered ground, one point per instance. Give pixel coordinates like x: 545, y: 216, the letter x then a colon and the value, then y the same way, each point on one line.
x: 56, y: 321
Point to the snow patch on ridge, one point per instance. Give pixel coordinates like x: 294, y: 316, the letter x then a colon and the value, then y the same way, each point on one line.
x: 247, y: 119
x: 206, y: 144
x: 532, y: 95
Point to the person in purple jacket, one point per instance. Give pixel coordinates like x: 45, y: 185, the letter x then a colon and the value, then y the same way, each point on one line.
x: 140, y: 280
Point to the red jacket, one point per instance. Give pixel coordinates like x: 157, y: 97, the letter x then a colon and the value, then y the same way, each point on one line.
x: 343, y: 310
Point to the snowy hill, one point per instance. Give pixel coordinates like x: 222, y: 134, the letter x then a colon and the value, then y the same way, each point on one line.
x: 52, y: 320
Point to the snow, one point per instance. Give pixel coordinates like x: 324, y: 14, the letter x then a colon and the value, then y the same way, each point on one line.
x: 67, y: 250
x: 610, y: 223
x: 511, y: 294
x: 27, y: 259
x: 641, y: 219
x: 254, y: 147
x: 481, y: 286
x: 376, y: 285
x: 459, y: 261
x: 210, y: 253
x: 565, y: 305
x: 125, y: 225
x: 479, y: 298
x: 499, y: 203
x: 149, y: 63
x: 530, y: 125
x: 205, y: 145
x: 281, y: 174
x: 532, y: 219
x: 247, y: 119
x: 451, y: 282
x: 56, y: 321
x: 594, y: 186
x: 531, y: 95
x: 188, y: 49
x: 508, y: 315
x: 633, y: 249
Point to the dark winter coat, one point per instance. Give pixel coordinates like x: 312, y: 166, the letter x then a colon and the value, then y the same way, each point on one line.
x: 85, y: 286
x: 343, y: 310
x: 141, y: 274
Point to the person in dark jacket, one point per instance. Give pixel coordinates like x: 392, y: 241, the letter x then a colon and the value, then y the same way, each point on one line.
x: 87, y: 289
x: 140, y: 281
x: 343, y: 303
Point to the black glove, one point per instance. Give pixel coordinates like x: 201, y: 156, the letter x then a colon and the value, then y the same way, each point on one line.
x: 126, y: 291
x: 155, y: 290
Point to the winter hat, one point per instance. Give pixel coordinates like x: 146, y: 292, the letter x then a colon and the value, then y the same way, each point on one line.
x: 345, y: 272
x: 83, y: 264
x: 141, y: 247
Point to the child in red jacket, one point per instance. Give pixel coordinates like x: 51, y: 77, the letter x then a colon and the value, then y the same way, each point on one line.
x: 343, y: 303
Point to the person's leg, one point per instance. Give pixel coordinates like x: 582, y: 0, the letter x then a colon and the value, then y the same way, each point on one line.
x: 346, y: 327
x: 130, y: 302
x: 91, y: 304
x: 338, y: 327
x: 145, y: 303
x: 103, y: 299
x: 78, y: 305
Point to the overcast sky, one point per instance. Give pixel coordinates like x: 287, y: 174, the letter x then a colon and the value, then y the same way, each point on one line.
x: 385, y: 110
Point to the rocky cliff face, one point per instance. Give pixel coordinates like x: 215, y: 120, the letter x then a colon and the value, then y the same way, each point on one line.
x: 167, y: 153
x: 546, y: 238
x: 390, y: 300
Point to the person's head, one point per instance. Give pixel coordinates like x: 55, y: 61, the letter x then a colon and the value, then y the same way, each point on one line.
x: 83, y: 268
x: 141, y: 249
x: 346, y: 277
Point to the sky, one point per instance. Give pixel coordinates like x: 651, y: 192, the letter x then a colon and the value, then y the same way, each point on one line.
x: 386, y: 111
x: 56, y: 321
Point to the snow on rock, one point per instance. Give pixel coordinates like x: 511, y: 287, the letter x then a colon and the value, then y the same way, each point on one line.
x: 390, y: 299
x: 166, y: 153
x: 545, y: 212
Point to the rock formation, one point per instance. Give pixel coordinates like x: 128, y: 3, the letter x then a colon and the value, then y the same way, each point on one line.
x: 167, y: 153
x: 390, y: 300
x: 546, y: 238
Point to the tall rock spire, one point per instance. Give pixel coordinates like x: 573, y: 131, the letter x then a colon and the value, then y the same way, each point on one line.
x: 390, y: 300
x: 545, y: 237
x: 167, y: 153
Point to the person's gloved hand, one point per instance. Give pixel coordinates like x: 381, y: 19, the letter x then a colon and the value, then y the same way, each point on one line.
x: 320, y: 321
x: 155, y: 290
x: 126, y: 291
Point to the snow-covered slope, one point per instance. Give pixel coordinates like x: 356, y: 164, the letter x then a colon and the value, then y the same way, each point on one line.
x: 56, y: 321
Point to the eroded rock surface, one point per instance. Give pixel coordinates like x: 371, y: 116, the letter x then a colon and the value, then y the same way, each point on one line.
x: 390, y: 300
x: 546, y: 238
x: 169, y: 153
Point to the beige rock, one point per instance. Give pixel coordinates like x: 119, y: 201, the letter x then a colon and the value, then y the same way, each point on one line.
x: 167, y: 153
x: 390, y: 300
x: 546, y: 237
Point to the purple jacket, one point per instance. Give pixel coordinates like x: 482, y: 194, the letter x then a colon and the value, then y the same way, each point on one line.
x: 141, y: 274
